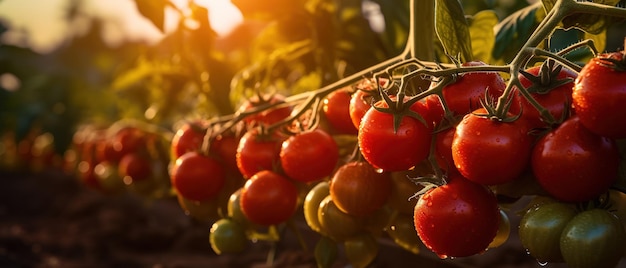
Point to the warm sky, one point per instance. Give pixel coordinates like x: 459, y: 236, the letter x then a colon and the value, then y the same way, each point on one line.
x: 45, y: 27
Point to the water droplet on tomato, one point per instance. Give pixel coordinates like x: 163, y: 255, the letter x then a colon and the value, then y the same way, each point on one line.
x: 442, y: 256
x: 477, y: 133
x: 430, y: 204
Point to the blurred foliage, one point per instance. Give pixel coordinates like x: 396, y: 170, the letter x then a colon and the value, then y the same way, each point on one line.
x: 286, y: 46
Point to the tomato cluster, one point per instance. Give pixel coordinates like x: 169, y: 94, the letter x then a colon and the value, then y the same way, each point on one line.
x: 429, y: 170
x: 123, y: 156
x: 424, y: 168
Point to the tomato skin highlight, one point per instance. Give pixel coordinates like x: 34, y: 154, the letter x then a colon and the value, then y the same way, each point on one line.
x: 599, y: 97
x: 268, y: 198
x: 309, y: 156
x: 573, y: 164
x: 394, y: 150
x: 491, y: 152
x: 458, y: 219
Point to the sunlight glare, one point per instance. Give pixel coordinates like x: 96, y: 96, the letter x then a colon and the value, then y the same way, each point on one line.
x: 223, y: 15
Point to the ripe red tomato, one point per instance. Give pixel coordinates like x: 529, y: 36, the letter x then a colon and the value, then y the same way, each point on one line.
x: 394, y: 149
x: 463, y: 96
x: 197, y: 177
x: 269, y: 116
x: 268, y: 198
x: 135, y: 166
x: 458, y: 219
x: 360, y: 102
x: 443, y: 150
x: 359, y: 190
x: 128, y: 140
x: 599, y: 96
x: 573, y: 164
x: 337, y: 110
x: 491, y: 152
x: 309, y: 156
x: 225, y: 148
x: 257, y: 152
x: 188, y: 138
x: 554, y: 99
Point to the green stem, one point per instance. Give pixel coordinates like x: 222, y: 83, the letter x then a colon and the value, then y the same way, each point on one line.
x: 423, y: 47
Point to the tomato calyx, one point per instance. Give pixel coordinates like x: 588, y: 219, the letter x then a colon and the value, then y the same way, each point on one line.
x: 615, y: 61
x: 491, y: 112
x: 547, y: 79
x: 399, y: 108
x: 428, y: 183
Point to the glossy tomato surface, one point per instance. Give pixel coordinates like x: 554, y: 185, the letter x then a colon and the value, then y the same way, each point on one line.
x: 458, y: 219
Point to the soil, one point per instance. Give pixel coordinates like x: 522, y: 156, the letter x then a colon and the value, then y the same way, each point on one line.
x: 51, y: 220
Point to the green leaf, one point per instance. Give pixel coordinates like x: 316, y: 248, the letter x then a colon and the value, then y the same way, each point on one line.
x: 483, y: 37
x: 153, y: 10
x: 590, y: 23
x: 452, y: 29
x: 514, y: 30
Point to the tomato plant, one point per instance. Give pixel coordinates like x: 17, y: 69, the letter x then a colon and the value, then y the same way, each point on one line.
x: 600, y: 93
x: 573, y: 164
x: 309, y: 156
x: 268, y: 198
x: 457, y: 219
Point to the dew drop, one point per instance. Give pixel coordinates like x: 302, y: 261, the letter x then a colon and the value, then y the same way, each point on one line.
x: 442, y: 256
x: 430, y: 204
x: 542, y: 263
x: 477, y: 133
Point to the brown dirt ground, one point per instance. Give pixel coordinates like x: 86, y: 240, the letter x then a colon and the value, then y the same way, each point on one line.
x: 50, y: 220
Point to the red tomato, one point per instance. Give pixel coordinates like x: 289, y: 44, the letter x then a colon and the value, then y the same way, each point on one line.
x: 458, y: 219
x: 443, y: 150
x: 394, y: 150
x: 573, y: 164
x: 554, y: 99
x: 268, y: 198
x: 197, y: 177
x: 188, y: 138
x: 135, y: 166
x: 337, y: 110
x: 257, y: 152
x: 309, y: 156
x: 360, y: 102
x: 225, y: 148
x: 128, y: 140
x: 359, y: 190
x: 599, y: 96
x: 491, y: 152
x: 463, y: 96
x: 269, y: 116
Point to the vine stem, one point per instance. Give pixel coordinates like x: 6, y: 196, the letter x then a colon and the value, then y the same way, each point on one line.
x: 560, y: 10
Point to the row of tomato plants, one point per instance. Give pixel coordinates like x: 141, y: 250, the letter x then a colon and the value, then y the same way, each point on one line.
x: 380, y: 157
